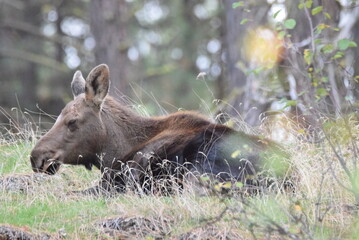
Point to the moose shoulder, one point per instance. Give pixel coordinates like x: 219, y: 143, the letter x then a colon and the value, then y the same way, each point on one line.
x: 96, y: 130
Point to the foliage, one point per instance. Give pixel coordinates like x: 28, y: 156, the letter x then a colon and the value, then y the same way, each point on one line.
x: 302, y: 51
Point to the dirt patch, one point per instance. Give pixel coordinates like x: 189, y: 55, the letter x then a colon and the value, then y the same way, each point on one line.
x: 15, y: 233
x: 155, y: 228
x: 130, y: 227
x: 22, y: 183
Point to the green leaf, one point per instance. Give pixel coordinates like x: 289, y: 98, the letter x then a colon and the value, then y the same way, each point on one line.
x: 237, y: 4
x: 344, y: 44
x: 328, y: 48
x: 276, y: 13
x: 308, y: 4
x: 325, y: 79
x: 322, y: 92
x: 317, y: 10
x: 290, y: 23
x: 338, y: 55
x: 327, y: 15
x: 352, y: 44
x: 204, y: 178
x: 239, y: 184
x: 301, y: 6
x: 308, y: 55
x: 323, y: 26
x: 281, y: 34
x: 255, y: 71
x: 317, y: 41
x: 258, y: 70
x: 226, y: 185
x: 290, y: 103
x: 235, y: 154
x: 244, y: 20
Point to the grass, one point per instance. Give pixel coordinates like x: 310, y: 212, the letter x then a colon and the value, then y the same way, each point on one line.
x: 46, y: 214
x: 13, y: 158
x: 323, y: 205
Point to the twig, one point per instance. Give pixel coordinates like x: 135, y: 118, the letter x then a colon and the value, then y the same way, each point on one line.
x: 311, y: 28
x: 35, y: 31
x: 35, y: 58
x: 341, y: 160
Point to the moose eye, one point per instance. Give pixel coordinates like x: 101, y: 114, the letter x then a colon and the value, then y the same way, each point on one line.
x: 72, y: 125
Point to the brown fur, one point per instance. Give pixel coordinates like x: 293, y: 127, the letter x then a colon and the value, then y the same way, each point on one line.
x: 95, y: 129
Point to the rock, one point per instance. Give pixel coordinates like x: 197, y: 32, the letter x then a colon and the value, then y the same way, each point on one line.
x: 15, y: 233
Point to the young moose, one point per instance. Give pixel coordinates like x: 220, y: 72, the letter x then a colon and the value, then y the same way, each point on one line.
x: 96, y: 130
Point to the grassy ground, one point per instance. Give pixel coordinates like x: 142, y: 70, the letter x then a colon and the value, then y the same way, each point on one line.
x: 322, y: 206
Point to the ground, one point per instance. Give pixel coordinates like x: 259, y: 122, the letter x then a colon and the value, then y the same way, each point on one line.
x: 323, y: 204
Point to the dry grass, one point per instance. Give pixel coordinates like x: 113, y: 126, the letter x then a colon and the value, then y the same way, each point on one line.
x: 320, y: 208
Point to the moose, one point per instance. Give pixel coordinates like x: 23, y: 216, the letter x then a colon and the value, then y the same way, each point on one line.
x: 95, y: 129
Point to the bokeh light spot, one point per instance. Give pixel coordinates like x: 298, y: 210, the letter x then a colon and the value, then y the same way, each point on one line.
x: 263, y: 47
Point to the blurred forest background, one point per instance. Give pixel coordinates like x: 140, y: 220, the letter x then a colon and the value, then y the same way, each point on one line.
x: 241, y: 58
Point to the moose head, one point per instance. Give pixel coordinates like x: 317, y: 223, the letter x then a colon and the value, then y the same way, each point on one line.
x: 78, y: 132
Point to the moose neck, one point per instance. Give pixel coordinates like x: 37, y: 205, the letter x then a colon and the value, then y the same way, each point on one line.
x: 125, y: 129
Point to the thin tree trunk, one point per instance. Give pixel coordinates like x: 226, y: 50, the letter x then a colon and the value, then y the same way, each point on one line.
x: 239, y: 85
x: 108, y: 20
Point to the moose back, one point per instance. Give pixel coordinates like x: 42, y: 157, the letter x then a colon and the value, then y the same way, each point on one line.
x: 96, y: 130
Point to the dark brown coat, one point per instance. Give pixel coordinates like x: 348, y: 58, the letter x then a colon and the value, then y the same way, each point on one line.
x: 96, y: 130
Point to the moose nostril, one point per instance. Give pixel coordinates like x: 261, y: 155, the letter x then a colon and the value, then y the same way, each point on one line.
x: 45, y: 160
x: 37, y: 159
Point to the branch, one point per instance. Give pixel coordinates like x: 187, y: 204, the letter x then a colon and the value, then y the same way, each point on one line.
x: 35, y: 58
x: 311, y: 28
x: 34, y: 30
x: 347, y: 26
x: 14, y: 3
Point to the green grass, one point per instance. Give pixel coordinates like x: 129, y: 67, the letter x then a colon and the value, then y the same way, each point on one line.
x: 50, y: 214
x: 48, y: 205
x: 14, y: 158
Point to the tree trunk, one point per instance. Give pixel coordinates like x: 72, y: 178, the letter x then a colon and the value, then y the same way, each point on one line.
x: 240, y: 87
x: 108, y: 20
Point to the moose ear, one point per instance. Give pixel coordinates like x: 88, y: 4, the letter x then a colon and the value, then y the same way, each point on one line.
x: 78, y: 84
x: 97, y: 84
